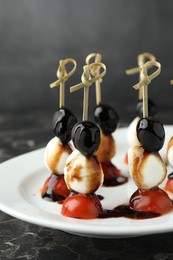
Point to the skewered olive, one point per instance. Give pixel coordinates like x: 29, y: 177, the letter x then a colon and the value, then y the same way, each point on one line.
x: 86, y: 137
x: 106, y: 117
x: 151, y: 134
x: 63, y: 122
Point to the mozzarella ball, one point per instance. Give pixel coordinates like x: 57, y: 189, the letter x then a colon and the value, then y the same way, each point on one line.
x: 131, y: 133
x: 169, y: 152
x: 83, y: 174
x: 146, y: 168
x: 107, y: 148
x: 55, y: 156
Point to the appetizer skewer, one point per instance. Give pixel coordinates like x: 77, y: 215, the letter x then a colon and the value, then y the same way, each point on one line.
x: 58, y: 149
x: 107, y: 119
x: 131, y: 133
x: 146, y: 166
x: 83, y: 173
x: 169, y: 158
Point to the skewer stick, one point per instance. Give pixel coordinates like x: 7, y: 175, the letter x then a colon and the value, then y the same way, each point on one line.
x: 87, y: 81
x: 62, y: 84
x: 63, y: 76
x: 146, y: 80
x: 144, y: 91
x: 95, y: 72
x: 86, y: 95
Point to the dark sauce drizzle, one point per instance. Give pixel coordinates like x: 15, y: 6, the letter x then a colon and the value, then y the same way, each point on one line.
x: 170, y: 176
x: 100, y: 197
x: 53, y: 197
x: 126, y: 211
x: 116, y: 181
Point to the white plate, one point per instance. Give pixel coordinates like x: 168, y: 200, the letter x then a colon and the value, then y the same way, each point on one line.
x: 22, y: 177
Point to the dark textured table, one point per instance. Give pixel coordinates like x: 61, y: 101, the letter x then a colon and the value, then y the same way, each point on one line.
x: 21, y: 133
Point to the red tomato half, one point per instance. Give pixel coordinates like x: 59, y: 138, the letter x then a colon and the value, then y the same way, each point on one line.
x: 112, y: 175
x: 126, y: 158
x: 169, y: 185
x: 82, y: 206
x: 154, y: 200
x: 56, y: 184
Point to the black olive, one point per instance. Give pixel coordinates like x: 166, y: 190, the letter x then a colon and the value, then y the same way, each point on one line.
x: 152, y: 108
x: 63, y: 122
x: 151, y: 134
x: 86, y: 137
x: 106, y: 117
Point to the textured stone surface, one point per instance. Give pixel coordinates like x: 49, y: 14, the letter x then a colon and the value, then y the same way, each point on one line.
x: 21, y: 240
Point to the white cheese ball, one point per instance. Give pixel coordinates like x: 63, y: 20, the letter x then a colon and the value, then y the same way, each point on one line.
x: 146, y: 168
x: 83, y: 174
x: 131, y: 133
x: 55, y: 156
x: 169, y: 152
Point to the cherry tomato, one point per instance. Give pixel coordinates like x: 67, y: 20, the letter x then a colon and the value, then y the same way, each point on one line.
x: 169, y: 185
x: 154, y: 200
x: 110, y: 171
x: 112, y: 175
x: 55, y: 186
x: 82, y: 206
x: 126, y: 159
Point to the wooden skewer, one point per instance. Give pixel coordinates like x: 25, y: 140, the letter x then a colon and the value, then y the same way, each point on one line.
x: 86, y: 95
x: 141, y: 59
x: 95, y: 72
x: 87, y: 81
x: 63, y: 76
x: 62, y: 84
x: 146, y: 80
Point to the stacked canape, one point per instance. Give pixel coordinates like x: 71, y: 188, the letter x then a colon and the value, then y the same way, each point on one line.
x: 107, y: 119
x: 131, y: 132
x: 169, y: 158
x: 83, y: 173
x: 146, y: 166
x: 58, y: 149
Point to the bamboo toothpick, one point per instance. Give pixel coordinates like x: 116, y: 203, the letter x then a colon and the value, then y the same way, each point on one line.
x: 141, y: 60
x: 146, y: 80
x: 95, y: 71
x: 87, y: 81
x: 62, y: 83
x: 63, y: 76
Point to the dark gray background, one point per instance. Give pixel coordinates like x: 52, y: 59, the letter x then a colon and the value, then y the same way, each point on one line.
x: 35, y: 34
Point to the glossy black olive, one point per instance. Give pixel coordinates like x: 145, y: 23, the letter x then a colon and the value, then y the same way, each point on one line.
x: 63, y: 122
x: 86, y: 137
x: 106, y: 117
x: 151, y: 134
x: 152, y: 108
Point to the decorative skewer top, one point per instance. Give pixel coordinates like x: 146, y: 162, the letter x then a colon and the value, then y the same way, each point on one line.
x: 141, y: 60
x: 87, y: 81
x: 95, y: 71
x: 97, y: 58
x: 146, y: 80
x: 63, y: 76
